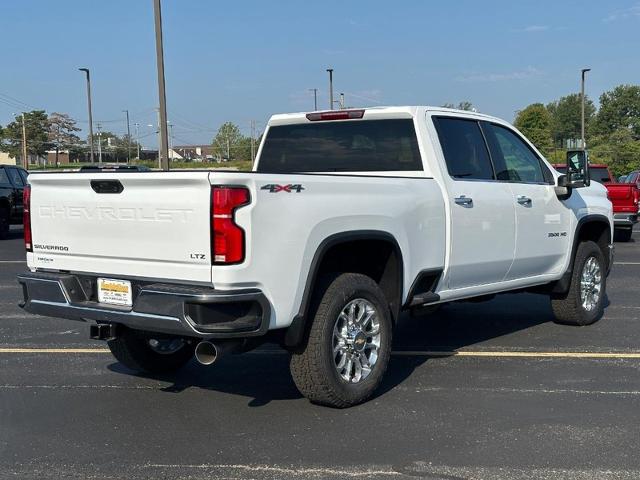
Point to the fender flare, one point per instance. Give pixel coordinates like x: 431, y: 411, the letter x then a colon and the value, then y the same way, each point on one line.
x: 562, y: 285
x: 295, y: 332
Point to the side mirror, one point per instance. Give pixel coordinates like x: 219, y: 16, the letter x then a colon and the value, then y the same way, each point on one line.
x: 577, y: 169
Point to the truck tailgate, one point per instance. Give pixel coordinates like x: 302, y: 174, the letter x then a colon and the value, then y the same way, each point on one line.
x: 157, y: 227
x: 623, y: 196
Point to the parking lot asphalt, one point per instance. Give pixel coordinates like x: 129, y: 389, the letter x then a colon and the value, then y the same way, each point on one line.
x: 522, y: 398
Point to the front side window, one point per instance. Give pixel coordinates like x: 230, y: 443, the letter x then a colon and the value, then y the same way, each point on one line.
x: 514, y: 160
x: 464, y: 148
x: 341, y: 146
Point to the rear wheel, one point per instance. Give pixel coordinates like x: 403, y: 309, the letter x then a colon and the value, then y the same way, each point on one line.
x: 144, y: 352
x: 623, y: 235
x: 583, y: 304
x: 4, y: 223
x: 349, y: 343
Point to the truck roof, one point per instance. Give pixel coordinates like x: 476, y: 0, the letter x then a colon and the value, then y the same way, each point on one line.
x: 385, y: 112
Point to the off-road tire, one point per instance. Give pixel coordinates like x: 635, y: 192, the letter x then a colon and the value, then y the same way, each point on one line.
x: 567, y: 308
x: 132, y: 349
x: 4, y: 223
x: 312, y: 367
x: 623, y: 235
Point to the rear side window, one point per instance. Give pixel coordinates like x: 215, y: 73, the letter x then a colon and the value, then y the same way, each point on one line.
x: 4, y: 179
x: 599, y: 174
x: 343, y: 146
x: 24, y: 175
x: 464, y: 148
x: 16, y: 179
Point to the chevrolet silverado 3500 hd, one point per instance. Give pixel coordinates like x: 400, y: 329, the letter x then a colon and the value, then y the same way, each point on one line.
x: 348, y: 218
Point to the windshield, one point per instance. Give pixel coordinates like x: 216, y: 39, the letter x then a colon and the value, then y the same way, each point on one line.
x: 342, y: 146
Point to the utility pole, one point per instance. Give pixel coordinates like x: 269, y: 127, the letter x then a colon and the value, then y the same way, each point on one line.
x: 128, y: 138
x: 253, y: 145
x: 99, y: 144
x: 330, y: 70
x: 162, y: 97
x: 583, y: 71
x: 315, y: 98
x: 159, y: 141
x: 342, y: 101
x: 25, y: 160
x: 137, y: 140
x: 86, y: 71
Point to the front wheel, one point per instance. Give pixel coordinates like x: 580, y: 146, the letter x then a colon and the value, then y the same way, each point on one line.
x: 144, y: 352
x: 349, y: 342
x: 583, y: 304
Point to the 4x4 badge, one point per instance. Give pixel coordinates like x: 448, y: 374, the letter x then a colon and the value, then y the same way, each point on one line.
x: 273, y: 188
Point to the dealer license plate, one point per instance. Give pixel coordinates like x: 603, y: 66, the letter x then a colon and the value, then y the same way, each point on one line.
x: 114, y: 292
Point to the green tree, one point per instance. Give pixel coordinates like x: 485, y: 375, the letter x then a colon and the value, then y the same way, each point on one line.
x: 619, y: 150
x: 619, y: 109
x: 464, y: 105
x: 62, y: 130
x: 535, y: 123
x: 37, y: 130
x: 227, y: 142
x: 566, y: 117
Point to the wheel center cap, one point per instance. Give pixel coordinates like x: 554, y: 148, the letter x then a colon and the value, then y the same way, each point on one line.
x: 359, y: 341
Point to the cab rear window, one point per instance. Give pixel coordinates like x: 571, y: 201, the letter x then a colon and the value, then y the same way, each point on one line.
x: 341, y: 146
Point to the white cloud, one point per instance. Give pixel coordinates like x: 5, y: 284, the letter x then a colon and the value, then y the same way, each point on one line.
x: 500, y: 77
x: 532, y: 29
x: 625, y: 13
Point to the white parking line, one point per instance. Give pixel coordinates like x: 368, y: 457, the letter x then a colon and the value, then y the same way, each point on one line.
x: 626, y: 263
x: 13, y: 261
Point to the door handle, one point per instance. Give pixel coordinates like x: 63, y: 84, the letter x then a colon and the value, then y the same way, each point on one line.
x: 464, y: 201
x: 524, y: 200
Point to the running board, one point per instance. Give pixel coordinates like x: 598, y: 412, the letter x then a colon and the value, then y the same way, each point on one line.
x: 424, y: 299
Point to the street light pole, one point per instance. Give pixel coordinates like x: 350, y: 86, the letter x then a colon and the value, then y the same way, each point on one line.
x: 137, y: 140
x: 315, y: 98
x: 162, y: 97
x: 582, y: 72
x: 86, y: 71
x: 330, y: 70
x: 128, y: 138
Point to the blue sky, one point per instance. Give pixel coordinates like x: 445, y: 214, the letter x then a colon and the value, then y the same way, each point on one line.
x: 246, y: 60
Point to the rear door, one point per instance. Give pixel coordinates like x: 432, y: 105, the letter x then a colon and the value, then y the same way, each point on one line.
x: 18, y: 188
x: 542, y: 220
x: 152, y: 225
x: 482, y: 239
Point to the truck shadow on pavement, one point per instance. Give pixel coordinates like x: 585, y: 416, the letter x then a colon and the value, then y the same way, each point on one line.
x: 263, y: 375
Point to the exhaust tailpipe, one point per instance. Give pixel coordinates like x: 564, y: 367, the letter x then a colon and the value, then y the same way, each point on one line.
x: 208, y: 353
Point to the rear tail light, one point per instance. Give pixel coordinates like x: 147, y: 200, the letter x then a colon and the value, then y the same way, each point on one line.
x: 227, y: 238
x: 26, y: 217
x: 335, y: 115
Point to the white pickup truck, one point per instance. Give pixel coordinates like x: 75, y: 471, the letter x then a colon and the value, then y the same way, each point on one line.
x: 348, y: 218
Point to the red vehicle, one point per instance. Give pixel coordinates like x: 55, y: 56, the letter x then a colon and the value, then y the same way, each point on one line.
x: 625, y: 198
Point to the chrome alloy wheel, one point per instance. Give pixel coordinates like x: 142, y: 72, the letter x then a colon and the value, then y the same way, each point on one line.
x: 590, y: 284
x: 356, y: 340
x: 166, y: 346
